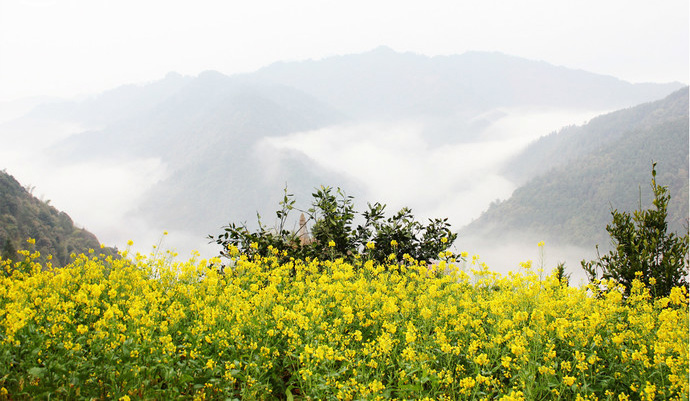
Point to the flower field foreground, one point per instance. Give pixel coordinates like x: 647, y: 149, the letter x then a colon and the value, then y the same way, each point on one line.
x: 146, y: 327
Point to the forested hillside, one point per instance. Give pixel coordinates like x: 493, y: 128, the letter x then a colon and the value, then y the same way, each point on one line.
x: 23, y: 216
x: 591, y: 169
x: 574, y: 141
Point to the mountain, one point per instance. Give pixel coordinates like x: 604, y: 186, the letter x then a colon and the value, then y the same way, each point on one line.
x: 208, y: 136
x: 211, y: 134
x: 558, y: 148
x: 23, y: 216
x: 383, y: 83
x: 122, y: 103
x: 208, y: 112
x: 580, y: 173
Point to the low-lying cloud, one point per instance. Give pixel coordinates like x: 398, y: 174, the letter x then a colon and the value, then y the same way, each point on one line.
x: 505, y: 256
x: 398, y: 167
x: 392, y: 161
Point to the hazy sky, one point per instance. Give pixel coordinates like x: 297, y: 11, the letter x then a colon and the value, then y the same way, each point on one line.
x: 68, y: 47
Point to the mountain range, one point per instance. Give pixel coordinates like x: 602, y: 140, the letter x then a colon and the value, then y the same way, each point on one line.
x: 209, y: 133
x: 383, y: 83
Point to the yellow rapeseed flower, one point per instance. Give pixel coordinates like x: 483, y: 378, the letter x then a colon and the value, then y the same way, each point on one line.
x: 323, y: 313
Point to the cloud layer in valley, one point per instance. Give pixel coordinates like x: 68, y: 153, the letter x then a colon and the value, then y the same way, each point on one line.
x: 391, y: 162
x: 399, y: 167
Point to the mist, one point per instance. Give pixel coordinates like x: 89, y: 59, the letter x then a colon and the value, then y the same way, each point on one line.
x: 99, y: 196
x: 505, y: 256
x: 396, y: 165
x: 440, y: 163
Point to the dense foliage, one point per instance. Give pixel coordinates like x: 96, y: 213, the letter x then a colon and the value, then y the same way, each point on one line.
x: 643, y: 249
x: 334, y: 235
x: 149, y: 328
x: 24, y: 216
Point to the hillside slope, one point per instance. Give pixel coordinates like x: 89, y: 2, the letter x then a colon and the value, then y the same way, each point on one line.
x: 572, y: 142
x: 23, y: 216
x: 591, y: 169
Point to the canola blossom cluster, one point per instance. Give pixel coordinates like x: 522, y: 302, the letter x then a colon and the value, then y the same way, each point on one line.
x: 153, y: 328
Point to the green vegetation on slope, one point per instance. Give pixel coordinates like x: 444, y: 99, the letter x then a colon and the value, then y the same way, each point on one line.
x: 573, y: 142
x: 23, y: 216
x: 571, y: 203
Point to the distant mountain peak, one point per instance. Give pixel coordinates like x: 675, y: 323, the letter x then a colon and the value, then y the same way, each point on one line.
x: 211, y: 75
x: 383, y: 49
x: 173, y: 75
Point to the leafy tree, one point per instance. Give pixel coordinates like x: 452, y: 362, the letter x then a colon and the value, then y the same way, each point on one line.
x: 334, y: 235
x: 643, y: 249
x: 401, y: 234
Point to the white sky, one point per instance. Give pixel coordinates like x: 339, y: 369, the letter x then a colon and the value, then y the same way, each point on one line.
x: 70, y: 47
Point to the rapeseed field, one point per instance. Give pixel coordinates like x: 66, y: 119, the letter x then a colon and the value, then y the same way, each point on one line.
x: 154, y: 328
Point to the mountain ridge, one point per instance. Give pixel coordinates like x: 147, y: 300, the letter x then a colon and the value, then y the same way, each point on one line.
x: 493, y: 78
x: 570, y: 202
x: 569, y: 142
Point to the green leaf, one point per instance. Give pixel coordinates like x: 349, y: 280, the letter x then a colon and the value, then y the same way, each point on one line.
x: 37, y: 372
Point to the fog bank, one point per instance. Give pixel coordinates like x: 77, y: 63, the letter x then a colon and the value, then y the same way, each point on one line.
x: 398, y: 166
x: 390, y: 162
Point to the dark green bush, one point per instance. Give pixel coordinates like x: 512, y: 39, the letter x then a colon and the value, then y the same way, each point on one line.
x: 334, y: 235
x: 643, y: 249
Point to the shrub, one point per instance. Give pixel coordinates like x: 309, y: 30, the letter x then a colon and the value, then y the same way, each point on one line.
x: 334, y: 235
x: 643, y: 249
